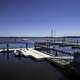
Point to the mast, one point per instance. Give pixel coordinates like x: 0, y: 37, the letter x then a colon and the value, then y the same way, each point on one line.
x: 51, y: 35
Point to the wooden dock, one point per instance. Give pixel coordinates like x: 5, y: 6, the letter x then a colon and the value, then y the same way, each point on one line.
x: 59, y: 60
x: 35, y: 54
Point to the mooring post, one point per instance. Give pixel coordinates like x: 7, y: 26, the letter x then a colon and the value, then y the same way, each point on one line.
x: 26, y: 45
x: 35, y: 45
x: 7, y: 47
x: 56, y: 54
x: 77, y: 46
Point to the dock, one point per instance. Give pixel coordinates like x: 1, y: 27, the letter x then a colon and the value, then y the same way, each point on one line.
x: 35, y: 54
x: 40, y: 56
x: 60, y: 61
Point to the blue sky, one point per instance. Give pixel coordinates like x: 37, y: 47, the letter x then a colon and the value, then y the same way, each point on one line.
x: 38, y: 17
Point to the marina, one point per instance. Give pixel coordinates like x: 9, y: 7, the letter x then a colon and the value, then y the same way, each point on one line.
x: 40, y: 39
x: 54, y: 55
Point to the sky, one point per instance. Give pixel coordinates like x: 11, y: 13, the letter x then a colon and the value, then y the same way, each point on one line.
x: 38, y: 17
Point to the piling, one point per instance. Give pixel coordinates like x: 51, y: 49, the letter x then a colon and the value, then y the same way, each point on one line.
x: 26, y: 45
x: 56, y: 54
x: 7, y: 47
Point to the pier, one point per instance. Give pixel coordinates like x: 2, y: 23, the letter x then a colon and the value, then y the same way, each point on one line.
x: 40, y: 56
x: 33, y: 53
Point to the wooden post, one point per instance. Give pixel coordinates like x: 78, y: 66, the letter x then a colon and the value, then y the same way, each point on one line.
x: 35, y: 45
x: 77, y: 46
x: 56, y: 54
x: 26, y: 45
x: 7, y: 47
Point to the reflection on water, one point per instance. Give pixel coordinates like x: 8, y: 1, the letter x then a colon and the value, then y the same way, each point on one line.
x: 20, y: 68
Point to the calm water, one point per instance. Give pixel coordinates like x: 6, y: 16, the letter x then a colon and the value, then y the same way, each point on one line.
x: 17, y: 45
x: 17, y: 68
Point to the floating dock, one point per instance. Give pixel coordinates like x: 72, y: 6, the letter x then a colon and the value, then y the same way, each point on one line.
x: 35, y: 54
x: 58, y: 60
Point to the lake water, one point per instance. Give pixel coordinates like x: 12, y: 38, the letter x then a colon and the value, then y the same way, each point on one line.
x: 17, y: 45
x: 20, y: 68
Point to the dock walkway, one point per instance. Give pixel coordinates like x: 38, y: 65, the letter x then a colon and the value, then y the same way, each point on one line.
x: 59, y: 60
x: 35, y: 54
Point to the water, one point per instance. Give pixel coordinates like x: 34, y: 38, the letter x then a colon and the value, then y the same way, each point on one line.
x: 17, y: 45
x: 20, y: 68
